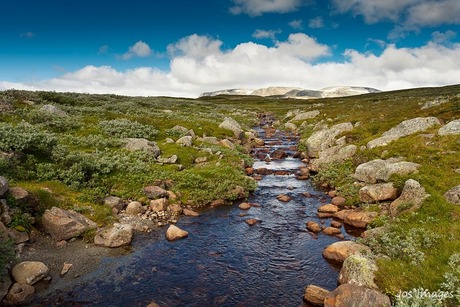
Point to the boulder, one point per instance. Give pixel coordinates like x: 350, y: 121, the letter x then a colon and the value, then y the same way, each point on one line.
x: 51, y: 109
x: 452, y: 128
x: 251, y: 222
x: 313, y: 226
x: 200, y: 160
x: 154, y: 192
x: 175, y: 209
x: 342, y: 214
x: 180, y: 130
x: 135, y: 144
x: 174, y: 233
x: 354, y: 295
x: 290, y: 126
x: 65, y: 224
x: 325, y: 138
x: 19, y: 295
x: 367, y: 172
x: 358, y: 270
x: 398, y: 168
x: 305, y: 115
x: 4, y: 186
x: 339, y: 251
x: 185, y: 141
x: 315, y: 295
x: 29, y: 272
x: 188, y: 212
x: 116, y: 236
x: 381, y: 170
x: 227, y: 144
x: 411, y: 198
x: 114, y: 202
x: 18, y: 236
x: 405, y: 128
x: 278, y: 154
x: 171, y: 160
x: 378, y: 192
x: 211, y: 140
x: 134, y: 208
x: 231, y: 124
x: 20, y: 195
x: 338, y: 201
x: 328, y: 208
x: 244, y: 206
x: 157, y: 205
x: 359, y: 219
x: 331, y: 231
x: 5, y: 216
x: 334, y: 154
x: 336, y: 224
x: 453, y: 195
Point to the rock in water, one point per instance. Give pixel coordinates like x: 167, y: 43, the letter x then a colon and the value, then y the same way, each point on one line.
x: 339, y: 251
x: 174, y: 233
x: 315, y: 295
x: 29, y: 272
x: 116, y: 236
x: 313, y: 227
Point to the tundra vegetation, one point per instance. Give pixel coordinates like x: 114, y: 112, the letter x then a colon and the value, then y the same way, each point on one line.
x: 74, y: 160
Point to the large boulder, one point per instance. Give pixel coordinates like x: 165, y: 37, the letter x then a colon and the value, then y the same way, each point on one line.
x: 19, y: 295
x: 135, y: 144
x: 305, y: 115
x: 313, y: 226
x: 332, y: 155
x: 451, y: 128
x: 358, y: 270
x: 339, y: 251
x: 411, y: 198
x: 315, y: 295
x: 20, y: 195
x: 29, y: 272
x: 453, y: 195
x: 65, y: 224
x: 325, y: 138
x: 378, y: 192
x: 359, y: 219
x: 231, y: 124
x: 398, y: 168
x: 381, y: 170
x: 4, y: 186
x: 175, y: 233
x: 350, y: 295
x: 134, y: 208
x: 116, y: 236
x: 157, y: 205
x: 405, y: 128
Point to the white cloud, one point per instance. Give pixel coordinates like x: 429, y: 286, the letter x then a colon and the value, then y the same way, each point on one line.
x: 259, y: 7
x: 271, y: 34
x: 409, y: 14
x: 440, y: 37
x: 139, y: 49
x: 251, y: 65
x: 316, y: 23
x: 296, y: 24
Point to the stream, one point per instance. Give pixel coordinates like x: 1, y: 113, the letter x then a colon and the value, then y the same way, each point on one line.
x: 224, y: 261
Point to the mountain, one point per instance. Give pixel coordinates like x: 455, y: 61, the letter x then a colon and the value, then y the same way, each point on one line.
x: 296, y: 92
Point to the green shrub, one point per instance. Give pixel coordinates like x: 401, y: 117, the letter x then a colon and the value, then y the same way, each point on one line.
x: 25, y: 138
x: 6, y: 252
x: 123, y: 128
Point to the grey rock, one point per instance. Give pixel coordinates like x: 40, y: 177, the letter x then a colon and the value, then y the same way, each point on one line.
x: 134, y: 208
x: 170, y: 160
x: 452, y: 128
x: 158, y: 205
x: 453, y: 195
x: 378, y: 192
x: 114, y: 202
x: 397, y: 168
x: 4, y: 186
x: 18, y: 236
x: 29, y: 272
x: 334, y: 154
x: 381, y: 170
x: 65, y: 224
x: 20, y: 195
x: 315, y: 295
x: 6, y: 106
x: 325, y: 138
x: 5, y: 216
x: 358, y: 270
x: 19, y: 295
x: 185, y: 141
x: 290, y: 126
x: 231, y: 124
x: 116, y: 236
x: 354, y: 295
x: 154, y: 191
x: 305, y: 115
x: 211, y: 140
x: 135, y: 144
x: 411, y: 198
x: 175, y: 233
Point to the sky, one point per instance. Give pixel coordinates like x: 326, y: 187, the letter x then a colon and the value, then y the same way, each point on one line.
x: 182, y: 48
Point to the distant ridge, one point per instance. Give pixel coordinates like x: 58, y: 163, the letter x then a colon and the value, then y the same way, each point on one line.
x: 296, y: 92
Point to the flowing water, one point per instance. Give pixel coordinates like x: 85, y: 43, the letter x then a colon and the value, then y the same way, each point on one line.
x: 224, y: 261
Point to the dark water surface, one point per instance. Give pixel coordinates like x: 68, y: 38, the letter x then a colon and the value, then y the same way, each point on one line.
x: 223, y: 262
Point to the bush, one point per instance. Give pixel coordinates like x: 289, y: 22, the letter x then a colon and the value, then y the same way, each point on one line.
x: 6, y: 252
x: 25, y: 138
x: 123, y: 128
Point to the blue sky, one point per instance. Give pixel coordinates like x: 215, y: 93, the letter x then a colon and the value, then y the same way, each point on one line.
x: 185, y: 47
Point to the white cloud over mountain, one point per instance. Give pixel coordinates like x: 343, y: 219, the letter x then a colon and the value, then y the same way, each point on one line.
x: 199, y: 64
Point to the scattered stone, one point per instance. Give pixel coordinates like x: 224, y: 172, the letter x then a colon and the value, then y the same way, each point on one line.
x: 331, y: 231
x: 338, y: 201
x: 175, y: 233
x: 325, y: 138
x: 278, y: 154
x: 19, y: 294
x: 18, y: 236
x: 305, y: 115
x: 315, y: 295
x: 65, y: 224
x: 175, y: 209
x: 378, y: 192
x: 354, y: 295
x: 342, y: 214
x: 245, y: 206
x: 339, y: 251
x: 328, y: 208
x: 324, y: 215
x: 451, y: 128
x: 336, y: 224
x: 65, y: 268
x: 135, y: 144
x: 231, y: 124
x: 188, y: 212
x: 217, y: 203
x: 4, y: 186
x: 201, y: 160
x: 453, y: 195
x: 154, y: 192
x: 358, y: 270
x: 284, y: 198
x: 185, y: 141
x: 158, y: 205
x: 116, y: 236
x: 251, y: 222
x: 313, y: 227
x: 171, y: 160
x: 20, y: 195
x: 29, y: 272
x: 411, y: 198
x: 114, y: 202
x: 227, y: 143
x: 211, y: 140
x: 359, y: 219
x: 134, y: 208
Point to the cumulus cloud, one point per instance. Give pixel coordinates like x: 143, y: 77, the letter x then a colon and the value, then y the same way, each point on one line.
x: 408, y: 13
x: 271, y: 34
x: 316, y: 23
x: 296, y: 24
x: 251, y: 65
x: 139, y: 49
x: 259, y: 7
